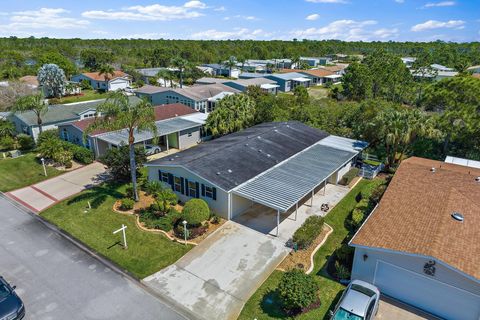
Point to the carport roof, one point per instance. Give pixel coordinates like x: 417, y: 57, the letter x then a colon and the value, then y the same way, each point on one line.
x: 164, y: 127
x: 287, y: 183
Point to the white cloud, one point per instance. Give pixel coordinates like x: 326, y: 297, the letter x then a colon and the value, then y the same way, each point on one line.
x: 434, y: 24
x: 238, y: 16
x: 440, y: 4
x: 327, y: 1
x: 237, y: 33
x: 150, y: 12
x: 222, y: 8
x: 349, y: 30
x: 313, y: 17
x: 146, y: 35
x: 399, y: 1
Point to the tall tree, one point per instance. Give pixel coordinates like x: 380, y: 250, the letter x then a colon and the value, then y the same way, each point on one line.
x: 52, y: 80
x: 107, y: 70
x: 35, y: 103
x: 180, y: 64
x: 117, y: 113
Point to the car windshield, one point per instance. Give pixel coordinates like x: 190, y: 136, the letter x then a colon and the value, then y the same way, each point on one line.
x: 343, y: 314
x: 4, y: 291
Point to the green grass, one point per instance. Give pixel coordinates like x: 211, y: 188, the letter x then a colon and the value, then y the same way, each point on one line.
x: 23, y: 171
x: 84, y: 96
x: 264, y: 303
x: 147, y: 252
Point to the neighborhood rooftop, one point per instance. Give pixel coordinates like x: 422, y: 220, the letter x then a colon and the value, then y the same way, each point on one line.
x: 415, y: 214
x: 196, y: 92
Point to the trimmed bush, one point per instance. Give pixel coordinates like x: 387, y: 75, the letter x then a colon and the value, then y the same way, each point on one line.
x: 7, y: 142
x: 127, y: 204
x: 309, y: 230
x: 357, y: 217
x: 377, y: 193
x: 81, y: 154
x: 344, y: 253
x: 25, y: 142
x: 341, y: 271
x: 165, y: 222
x: 195, y: 212
x: 363, y: 204
x: 349, y: 176
x: 46, y: 135
x: 297, y: 290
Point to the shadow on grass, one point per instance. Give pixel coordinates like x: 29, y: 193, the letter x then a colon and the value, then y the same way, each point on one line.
x: 271, y: 305
x: 332, y: 305
x: 118, y: 243
x: 98, y: 195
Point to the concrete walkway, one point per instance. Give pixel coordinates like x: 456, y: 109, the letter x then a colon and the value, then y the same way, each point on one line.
x: 390, y: 309
x: 44, y: 194
x: 264, y: 219
x: 217, y: 277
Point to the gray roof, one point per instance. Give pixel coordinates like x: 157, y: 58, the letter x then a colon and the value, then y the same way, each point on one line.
x: 251, y: 82
x: 148, y: 89
x: 288, y: 75
x: 211, y: 80
x: 149, y: 72
x: 235, y: 158
x: 164, y: 127
x: 248, y: 75
x: 286, y: 184
x: 198, y: 93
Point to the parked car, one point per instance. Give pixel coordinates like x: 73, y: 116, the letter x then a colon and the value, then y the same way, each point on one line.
x: 152, y: 149
x: 11, y: 306
x: 358, y: 302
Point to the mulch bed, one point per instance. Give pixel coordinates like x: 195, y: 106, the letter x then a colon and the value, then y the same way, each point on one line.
x: 297, y: 312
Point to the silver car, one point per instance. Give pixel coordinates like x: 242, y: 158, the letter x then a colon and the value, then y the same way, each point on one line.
x: 152, y: 149
x: 358, y: 302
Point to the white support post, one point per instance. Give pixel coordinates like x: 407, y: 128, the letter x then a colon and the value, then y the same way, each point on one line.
x: 311, y: 199
x: 324, y: 187
x: 166, y: 137
x: 296, y: 209
x: 278, y: 220
x: 123, y: 228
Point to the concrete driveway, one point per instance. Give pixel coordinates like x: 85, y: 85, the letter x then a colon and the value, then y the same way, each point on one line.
x: 42, y: 195
x: 390, y: 309
x: 216, y: 278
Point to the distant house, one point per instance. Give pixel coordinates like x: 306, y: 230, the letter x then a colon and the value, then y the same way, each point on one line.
x: 439, y: 67
x: 338, y: 69
x: 266, y: 85
x: 201, y: 98
x: 474, y: 69
x: 179, y: 127
x: 317, y: 76
x: 222, y: 70
x: 118, y: 81
x: 316, y: 61
x: 288, y: 81
x: 408, y: 61
x: 433, y: 74
x: 420, y: 245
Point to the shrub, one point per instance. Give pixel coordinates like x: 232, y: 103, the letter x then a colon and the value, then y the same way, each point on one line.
x: 341, y: 271
x: 7, y: 143
x: 192, y: 233
x: 297, y: 290
x: 47, y: 134
x: 362, y: 205
x: 357, y: 217
x: 165, y: 222
x: 152, y: 187
x: 118, y: 160
x: 85, y: 85
x: 127, y: 204
x: 68, y: 164
x: 309, y: 230
x: 344, y: 253
x: 195, y: 211
x: 129, y: 191
x: 349, y: 176
x: 377, y: 193
x: 25, y: 142
x: 215, y: 219
x: 81, y: 154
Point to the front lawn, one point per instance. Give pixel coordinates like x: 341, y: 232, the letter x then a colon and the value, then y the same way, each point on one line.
x: 264, y: 304
x: 86, y: 95
x: 147, y: 252
x: 23, y: 171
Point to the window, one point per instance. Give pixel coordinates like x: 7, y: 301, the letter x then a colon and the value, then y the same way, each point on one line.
x: 189, y: 134
x: 165, y: 177
x: 192, y: 189
x: 178, y: 184
x: 208, y: 192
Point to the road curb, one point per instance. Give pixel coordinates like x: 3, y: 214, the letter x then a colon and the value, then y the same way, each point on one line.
x: 105, y: 261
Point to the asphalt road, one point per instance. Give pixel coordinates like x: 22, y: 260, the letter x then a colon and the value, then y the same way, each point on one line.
x: 57, y: 280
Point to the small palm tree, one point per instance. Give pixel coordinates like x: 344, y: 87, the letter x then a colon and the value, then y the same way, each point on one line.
x: 230, y: 64
x: 7, y: 129
x: 35, y: 103
x: 164, y: 74
x: 180, y: 64
x: 118, y: 113
x: 107, y: 71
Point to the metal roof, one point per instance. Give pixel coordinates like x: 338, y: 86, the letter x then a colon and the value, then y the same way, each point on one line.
x: 164, y: 127
x: 284, y: 185
x: 463, y: 162
x: 344, y: 143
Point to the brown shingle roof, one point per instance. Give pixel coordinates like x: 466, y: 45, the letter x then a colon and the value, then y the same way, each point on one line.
x: 414, y: 215
x: 101, y: 77
x: 318, y: 72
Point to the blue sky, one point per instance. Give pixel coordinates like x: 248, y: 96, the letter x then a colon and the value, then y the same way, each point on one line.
x: 366, y: 20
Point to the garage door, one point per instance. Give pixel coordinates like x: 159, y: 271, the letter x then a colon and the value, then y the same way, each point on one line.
x: 426, y: 293
x: 117, y: 84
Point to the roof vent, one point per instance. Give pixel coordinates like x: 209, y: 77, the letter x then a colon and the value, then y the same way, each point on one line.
x: 457, y: 216
x: 229, y: 170
x: 246, y: 144
x: 433, y: 169
x: 218, y: 173
x: 268, y: 155
x: 477, y: 179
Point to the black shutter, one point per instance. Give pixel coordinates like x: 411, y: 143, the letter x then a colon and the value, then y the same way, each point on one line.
x: 197, y: 187
x: 187, y: 189
x: 182, y: 185
x: 170, y: 180
x: 203, y: 190
x: 214, y: 193
x: 160, y: 175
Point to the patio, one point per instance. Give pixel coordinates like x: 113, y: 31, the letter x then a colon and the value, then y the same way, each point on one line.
x: 264, y: 219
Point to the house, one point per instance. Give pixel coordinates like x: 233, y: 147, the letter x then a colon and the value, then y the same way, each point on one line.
x: 439, y: 67
x: 148, y: 73
x: 433, y: 74
x: 288, y: 81
x: 474, y: 69
x: 26, y: 122
x: 274, y: 164
x: 316, y: 61
x: 338, y: 69
x: 421, y: 245
x: 179, y: 127
x: 317, y: 76
x: 200, y: 98
x: 408, y: 61
x: 118, y: 81
x: 260, y: 65
x: 222, y: 70
x: 266, y: 85
x: 210, y: 80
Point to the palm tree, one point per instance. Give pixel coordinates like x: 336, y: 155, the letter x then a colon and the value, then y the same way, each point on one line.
x: 35, y: 103
x: 7, y: 129
x: 180, y: 64
x: 164, y: 74
x: 295, y: 61
x: 107, y: 71
x: 118, y: 113
x: 230, y: 64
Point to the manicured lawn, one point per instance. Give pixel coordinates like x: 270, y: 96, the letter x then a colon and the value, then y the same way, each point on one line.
x: 84, y: 96
x: 23, y: 171
x: 264, y: 303
x: 147, y: 252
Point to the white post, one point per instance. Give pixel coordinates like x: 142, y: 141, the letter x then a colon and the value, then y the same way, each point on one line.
x: 296, y: 209
x: 324, y: 187
x: 166, y: 137
x: 184, y: 222
x: 311, y: 200
x: 278, y: 220
x: 123, y: 228
x: 44, y: 168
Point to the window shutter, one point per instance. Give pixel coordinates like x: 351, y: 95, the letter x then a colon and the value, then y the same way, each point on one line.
x: 170, y: 180
x: 214, y: 193
x: 187, y: 188
x: 203, y: 190
x: 197, y: 187
x: 159, y: 175
x: 182, y: 185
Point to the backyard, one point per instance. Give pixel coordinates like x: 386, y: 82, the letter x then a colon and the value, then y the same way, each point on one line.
x: 23, y: 171
x: 147, y: 252
x: 265, y: 304
x: 86, y: 95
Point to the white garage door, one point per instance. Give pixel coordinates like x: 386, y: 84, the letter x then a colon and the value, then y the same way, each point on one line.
x: 426, y: 293
x: 118, y: 84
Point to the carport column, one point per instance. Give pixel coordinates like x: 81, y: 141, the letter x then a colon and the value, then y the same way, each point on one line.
x: 278, y: 220
x: 167, y: 142
x: 324, y: 187
x: 296, y: 209
x: 311, y: 199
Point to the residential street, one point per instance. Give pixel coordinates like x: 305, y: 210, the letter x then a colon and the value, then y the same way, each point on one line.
x: 57, y: 280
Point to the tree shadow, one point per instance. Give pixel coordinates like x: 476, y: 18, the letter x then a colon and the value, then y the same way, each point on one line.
x: 272, y: 306
x: 98, y: 195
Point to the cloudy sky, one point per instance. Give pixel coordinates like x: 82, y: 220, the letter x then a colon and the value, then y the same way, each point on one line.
x: 351, y: 20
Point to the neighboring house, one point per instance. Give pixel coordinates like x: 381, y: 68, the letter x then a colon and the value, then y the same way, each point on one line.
x: 338, y: 69
x: 222, y: 70
x: 266, y: 85
x: 316, y: 76
x: 26, y: 122
x: 209, y: 80
x: 439, y: 67
x: 316, y: 61
x: 274, y: 164
x: 207, y: 70
x: 148, y: 73
x: 433, y: 74
x: 262, y: 65
x: 288, y: 81
x: 200, y: 98
x: 178, y: 127
x: 476, y: 75
x: 421, y: 244
x: 118, y: 81
x: 408, y: 61
x: 474, y: 69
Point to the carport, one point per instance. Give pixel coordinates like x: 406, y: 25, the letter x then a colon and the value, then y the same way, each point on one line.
x: 286, y: 185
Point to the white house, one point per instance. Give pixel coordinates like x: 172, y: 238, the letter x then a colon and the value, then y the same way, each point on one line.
x: 421, y: 245
x: 119, y: 80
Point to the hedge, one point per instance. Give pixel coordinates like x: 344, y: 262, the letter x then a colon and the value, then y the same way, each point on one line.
x: 308, y: 232
x: 349, y: 176
x: 25, y: 142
